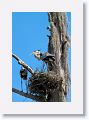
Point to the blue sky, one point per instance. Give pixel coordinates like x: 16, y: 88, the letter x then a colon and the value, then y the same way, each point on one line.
x: 29, y: 33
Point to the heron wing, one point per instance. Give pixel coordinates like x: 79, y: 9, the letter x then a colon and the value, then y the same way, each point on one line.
x: 49, y: 58
x: 48, y: 54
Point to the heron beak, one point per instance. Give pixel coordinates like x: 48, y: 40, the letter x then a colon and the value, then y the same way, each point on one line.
x: 32, y: 53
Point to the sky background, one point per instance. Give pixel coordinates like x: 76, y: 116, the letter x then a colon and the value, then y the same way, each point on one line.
x: 29, y: 33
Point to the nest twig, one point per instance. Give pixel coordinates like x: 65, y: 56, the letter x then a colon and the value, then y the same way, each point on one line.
x: 43, y: 84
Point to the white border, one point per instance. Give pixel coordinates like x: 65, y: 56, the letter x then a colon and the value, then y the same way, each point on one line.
x: 6, y: 104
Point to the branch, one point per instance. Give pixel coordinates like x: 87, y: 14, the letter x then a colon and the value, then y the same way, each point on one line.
x: 68, y: 40
x: 34, y: 97
x: 23, y: 64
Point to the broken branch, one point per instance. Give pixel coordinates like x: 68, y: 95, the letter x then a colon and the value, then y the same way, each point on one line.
x: 23, y: 64
x: 34, y: 97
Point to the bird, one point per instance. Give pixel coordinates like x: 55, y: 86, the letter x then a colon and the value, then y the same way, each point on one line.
x: 24, y: 75
x: 45, y: 57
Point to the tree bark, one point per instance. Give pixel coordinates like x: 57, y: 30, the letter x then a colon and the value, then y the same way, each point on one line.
x: 58, y: 45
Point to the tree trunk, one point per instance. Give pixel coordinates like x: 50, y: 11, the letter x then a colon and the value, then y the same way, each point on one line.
x: 58, y: 45
x: 52, y: 85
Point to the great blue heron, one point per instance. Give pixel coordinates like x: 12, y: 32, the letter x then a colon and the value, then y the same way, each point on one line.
x: 46, y: 57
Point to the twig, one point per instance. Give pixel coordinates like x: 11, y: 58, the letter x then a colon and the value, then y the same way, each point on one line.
x: 23, y: 64
x: 34, y: 97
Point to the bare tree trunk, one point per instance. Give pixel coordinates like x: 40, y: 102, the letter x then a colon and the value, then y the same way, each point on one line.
x: 51, y: 86
x: 58, y: 45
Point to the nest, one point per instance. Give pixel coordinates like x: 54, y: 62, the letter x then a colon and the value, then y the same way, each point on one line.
x: 43, y: 84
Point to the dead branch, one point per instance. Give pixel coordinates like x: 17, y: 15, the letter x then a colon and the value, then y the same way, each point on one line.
x: 23, y: 64
x: 68, y: 41
x: 34, y: 97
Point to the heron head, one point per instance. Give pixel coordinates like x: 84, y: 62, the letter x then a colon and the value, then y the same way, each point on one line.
x: 36, y: 52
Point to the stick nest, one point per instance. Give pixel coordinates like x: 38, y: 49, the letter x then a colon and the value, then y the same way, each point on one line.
x: 43, y: 84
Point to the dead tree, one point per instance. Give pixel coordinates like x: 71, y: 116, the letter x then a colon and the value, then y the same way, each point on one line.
x: 58, y: 45
x: 52, y: 85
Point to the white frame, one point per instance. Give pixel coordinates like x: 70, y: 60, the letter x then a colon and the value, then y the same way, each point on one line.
x: 76, y: 104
